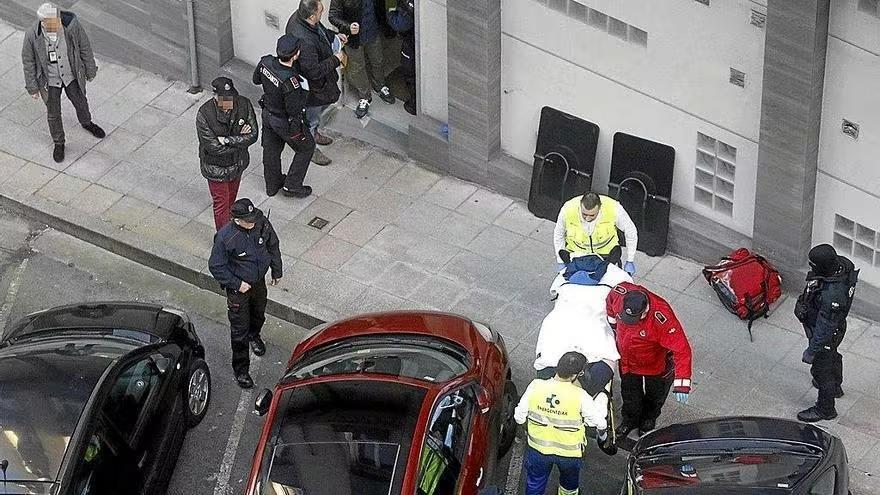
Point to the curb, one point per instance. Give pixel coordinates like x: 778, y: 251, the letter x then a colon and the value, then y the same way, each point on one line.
x: 137, y: 248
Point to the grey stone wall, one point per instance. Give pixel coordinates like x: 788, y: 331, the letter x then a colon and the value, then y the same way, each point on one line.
x: 794, y: 75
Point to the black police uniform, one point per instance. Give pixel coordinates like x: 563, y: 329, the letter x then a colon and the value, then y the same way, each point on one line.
x: 822, y: 309
x: 238, y: 255
x: 284, y: 121
x: 402, y: 20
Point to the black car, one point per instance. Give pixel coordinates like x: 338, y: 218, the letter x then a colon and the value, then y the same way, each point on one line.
x: 97, y: 398
x: 738, y: 455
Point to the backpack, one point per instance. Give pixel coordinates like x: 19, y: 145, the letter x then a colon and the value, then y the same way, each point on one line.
x: 585, y: 270
x: 746, y: 283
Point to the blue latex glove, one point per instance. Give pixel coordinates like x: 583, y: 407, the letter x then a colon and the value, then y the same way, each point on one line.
x: 681, y: 397
x: 560, y: 267
x: 808, y: 356
x: 630, y: 268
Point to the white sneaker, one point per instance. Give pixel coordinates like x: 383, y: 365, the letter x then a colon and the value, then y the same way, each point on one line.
x: 362, y: 108
x: 386, y: 95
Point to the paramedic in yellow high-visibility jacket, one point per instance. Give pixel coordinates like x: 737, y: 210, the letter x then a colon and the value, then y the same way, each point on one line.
x: 557, y: 411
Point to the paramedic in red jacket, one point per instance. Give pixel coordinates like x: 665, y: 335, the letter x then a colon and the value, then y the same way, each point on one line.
x: 655, y: 354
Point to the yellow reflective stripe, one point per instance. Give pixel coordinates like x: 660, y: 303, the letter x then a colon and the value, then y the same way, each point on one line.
x: 555, y: 445
x: 563, y: 491
x: 558, y: 423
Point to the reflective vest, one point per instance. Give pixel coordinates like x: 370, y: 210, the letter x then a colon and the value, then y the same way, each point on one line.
x: 604, y: 237
x: 555, y: 424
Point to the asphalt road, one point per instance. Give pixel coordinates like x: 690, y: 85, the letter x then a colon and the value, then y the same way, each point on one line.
x: 42, y: 268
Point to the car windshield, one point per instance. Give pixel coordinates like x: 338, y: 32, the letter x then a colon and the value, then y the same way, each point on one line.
x: 412, y: 358
x: 43, y: 390
x: 363, y: 468
x: 355, y: 432
x: 753, y: 464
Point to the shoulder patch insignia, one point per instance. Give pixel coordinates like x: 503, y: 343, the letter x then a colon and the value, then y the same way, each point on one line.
x: 619, y: 289
x: 660, y: 317
x: 295, y: 81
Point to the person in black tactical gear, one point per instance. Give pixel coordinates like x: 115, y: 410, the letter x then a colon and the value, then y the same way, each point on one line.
x: 402, y: 20
x: 822, y: 309
x: 284, y: 119
x: 244, y: 251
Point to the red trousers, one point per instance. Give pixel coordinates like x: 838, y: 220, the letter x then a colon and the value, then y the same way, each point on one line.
x: 223, y: 194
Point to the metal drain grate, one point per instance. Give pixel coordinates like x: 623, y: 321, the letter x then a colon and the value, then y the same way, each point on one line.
x: 318, y: 223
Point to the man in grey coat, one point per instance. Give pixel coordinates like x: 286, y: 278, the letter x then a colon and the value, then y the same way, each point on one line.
x: 56, y: 55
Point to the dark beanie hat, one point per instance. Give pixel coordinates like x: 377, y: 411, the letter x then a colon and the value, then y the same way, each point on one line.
x: 823, y: 259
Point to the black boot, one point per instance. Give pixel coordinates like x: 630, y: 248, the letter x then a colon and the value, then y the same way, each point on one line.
x: 273, y: 192
x: 646, y: 426
x: 258, y: 346
x: 297, y: 192
x: 95, y: 130
x: 813, y: 414
x: 58, y: 153
x: 244, y: 380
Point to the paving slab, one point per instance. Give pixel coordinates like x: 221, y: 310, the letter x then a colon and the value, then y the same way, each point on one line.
x: 449, y: 192
x: 95, y: 200
x: 484, y: 205
x: 91, y: 166
x: 358, y: 228
x: 63, y: 189
x: 329, y: 252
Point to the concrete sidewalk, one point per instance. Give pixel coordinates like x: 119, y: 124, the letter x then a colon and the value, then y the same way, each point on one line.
x: 398, y: 236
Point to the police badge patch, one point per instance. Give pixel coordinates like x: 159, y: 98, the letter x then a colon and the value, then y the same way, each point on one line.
x: 660, y: 317
x: 620, y: 290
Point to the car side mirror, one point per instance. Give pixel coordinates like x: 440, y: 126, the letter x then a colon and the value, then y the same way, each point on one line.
x: 483, y: 400
x: 263, y: 401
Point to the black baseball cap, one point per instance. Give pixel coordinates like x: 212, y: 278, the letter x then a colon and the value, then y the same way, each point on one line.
x: 287, y: 46
x: 223, y: 86
x: 634, y: 304
x: 244, y: 210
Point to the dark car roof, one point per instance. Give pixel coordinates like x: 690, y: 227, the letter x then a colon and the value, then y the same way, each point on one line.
x: 44, y: 387
x: 752, y: 427
x: 141, y: 317
x: 344, y: 410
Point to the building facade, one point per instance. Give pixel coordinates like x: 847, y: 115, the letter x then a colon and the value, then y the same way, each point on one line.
x: 769, y: 104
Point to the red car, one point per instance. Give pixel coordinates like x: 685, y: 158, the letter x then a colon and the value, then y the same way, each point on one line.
x: 414, y: 403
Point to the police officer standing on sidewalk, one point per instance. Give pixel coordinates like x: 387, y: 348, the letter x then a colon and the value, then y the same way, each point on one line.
x: 655, y: 355
x: 284, y: 119
x: 557, y: 411
x: 822, y: 308
x: 244, y: 251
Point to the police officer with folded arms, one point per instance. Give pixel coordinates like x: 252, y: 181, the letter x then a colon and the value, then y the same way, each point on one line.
x: 822, y: 309
x: 244, y: 251
x: 655, y: 355
x: 284, y: 119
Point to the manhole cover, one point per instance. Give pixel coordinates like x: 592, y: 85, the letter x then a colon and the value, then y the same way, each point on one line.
x: 318, y: 223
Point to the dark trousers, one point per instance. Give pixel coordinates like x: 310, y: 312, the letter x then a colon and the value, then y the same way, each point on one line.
x: 223, y: 195
x: 539, y: 466
x: 827, y: 371
x: 52, y: 99
x: 276, y: 133
x: 643, y: 396
x: 247, y: 314
x: 366, y: 67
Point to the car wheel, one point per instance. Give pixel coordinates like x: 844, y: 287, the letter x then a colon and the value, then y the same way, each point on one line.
x: 197, y: 392
x: 508, y: 424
